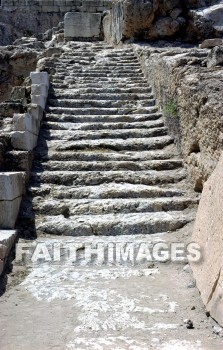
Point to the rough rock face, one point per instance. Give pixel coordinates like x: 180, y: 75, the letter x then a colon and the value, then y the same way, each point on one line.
x: 208, y: 234
x: 191, y: 97
x: 158, y: 19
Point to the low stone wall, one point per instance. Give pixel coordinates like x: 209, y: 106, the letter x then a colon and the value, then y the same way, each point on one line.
x: 23, y: 139
x: 190, y: 95
x: 31, y: 17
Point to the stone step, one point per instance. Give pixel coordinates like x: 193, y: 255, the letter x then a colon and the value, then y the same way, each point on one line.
x: 75, y: 103
x: 167, y: 153
x: 69, y: 95
x: 104, y: 191
x: 132, y: 118
x: 90, y: 206
x: 101, y: 126
x: 96, y: 86
x: 130, y: 66
x: 98, y: 80
x: 101, y: 111
x: 97, y: 70
x: 132, y: 144
x: 112, y: 224
x: 98, y: 74
x: 92, y: 178
x: 121, y: 90
x: 72, y: 135
x: 158, y: 165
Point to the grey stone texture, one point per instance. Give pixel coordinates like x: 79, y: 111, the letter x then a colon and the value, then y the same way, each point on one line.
x: 82, y: 25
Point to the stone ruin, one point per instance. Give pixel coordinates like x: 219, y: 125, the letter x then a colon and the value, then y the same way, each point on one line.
x: 111, y: 126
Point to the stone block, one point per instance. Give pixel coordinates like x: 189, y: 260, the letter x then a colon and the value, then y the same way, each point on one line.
x: 39, y: 89
x: 36, y: 111
x: 9, y: 212
x: 12, y: 185
x: 39, y: 100
x: 40, y: 78
x: 3, y: 250
x: 24, y: 140
x: 82, y: 25
x: 7, y: 240
x: 210, y: 43
x: 208, y: 234
x: 26, y: 122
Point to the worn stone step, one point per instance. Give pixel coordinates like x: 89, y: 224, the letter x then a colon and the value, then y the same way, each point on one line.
x: 77, y: 178
x: 78, y: 80
x: 69, y: 95
x: 102, y: 126
x: 63, y: 117
x: 112, y: 224
x: 158, y: 165
x: 131, y: 144
x: 104, y: 191
x: 102, y: 110
x: 113, y: 91
x: 69, y: 207
x: 95, y: 85
x: 72, y: 135
x: 100, y: 103
x: 71, y: 69
x: 99, y: 74
x: 168, y: 153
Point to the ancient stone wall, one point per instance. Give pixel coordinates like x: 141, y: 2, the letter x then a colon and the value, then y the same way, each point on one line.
x: 26, y: 18
x: 190, y: 95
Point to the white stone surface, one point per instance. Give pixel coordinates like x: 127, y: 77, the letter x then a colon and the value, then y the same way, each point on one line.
x: 24, y: 140
x: 40, y: 78
x: 36, y: 111
x: 11, y: 185
x: 26, y: 122
x: 82, y: 25
x: 39, y: 89
x: 40, y: 100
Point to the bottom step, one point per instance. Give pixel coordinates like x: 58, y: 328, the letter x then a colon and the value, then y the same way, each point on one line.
x: 112, y: 224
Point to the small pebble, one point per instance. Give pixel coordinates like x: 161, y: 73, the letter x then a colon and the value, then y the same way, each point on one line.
x: 189, y: 324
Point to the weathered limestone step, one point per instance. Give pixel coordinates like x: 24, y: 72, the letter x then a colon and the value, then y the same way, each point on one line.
x: 71, y: 135
x: 133, y: 144
x: 77, y: 178
x: 99, y: 79
x: 102, y: 126
x: 89, y: 74
x: 71, y: 69
x: 102, y: 110
x: 105, y: 191
x: 102, y: 155
x: 63, y: 117
x: 158, y: 165
x: 68, y: 207
x: 75, y: 103
x: 112, y: 224
x: 134, y: 87
x: 99, y: 91
x: 69, y: 94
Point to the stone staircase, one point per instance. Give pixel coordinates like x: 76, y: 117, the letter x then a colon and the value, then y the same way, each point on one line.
x: 104, y: 164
